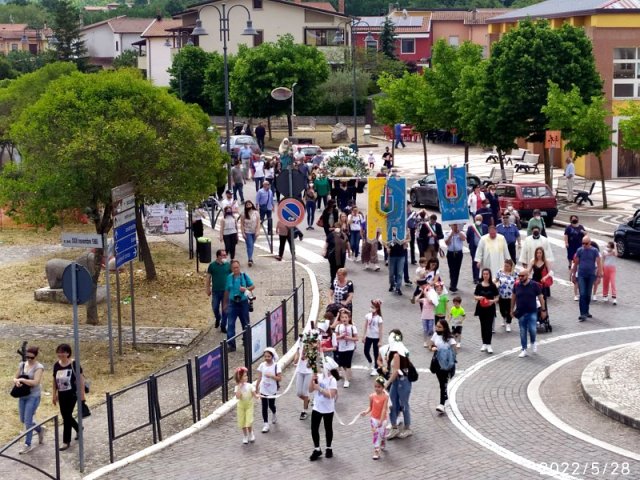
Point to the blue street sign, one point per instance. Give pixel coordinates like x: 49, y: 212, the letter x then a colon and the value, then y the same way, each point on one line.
x: 124, y: 230
x: 126, y: 256
x: 84, y: 283
x: 125, y: 243
x: 291, y: 211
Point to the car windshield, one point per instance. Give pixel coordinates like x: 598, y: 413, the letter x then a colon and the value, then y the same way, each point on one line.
x: 243, y: 140
x: 536, y: 191
x: 309, y: 150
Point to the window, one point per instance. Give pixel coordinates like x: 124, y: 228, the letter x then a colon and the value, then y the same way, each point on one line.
x: 320, y: 37
x: 258, y: 38
x: 14, y: 47
x: 257, y: 3
x: 626, y: 72
x: 117, y: 46
x: 536, y: 192
x: 407, y: 45
x: 454, y: 40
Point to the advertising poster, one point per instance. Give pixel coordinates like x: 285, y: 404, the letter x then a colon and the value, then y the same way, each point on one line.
x: 387, y: 210
x: 166, y: 219
x: 452, y: 194
x: 277, y: 328
x: 210, y: 371
x: 258, y: 340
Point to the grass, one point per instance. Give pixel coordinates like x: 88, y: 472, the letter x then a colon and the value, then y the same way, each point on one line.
x: 130, y: 367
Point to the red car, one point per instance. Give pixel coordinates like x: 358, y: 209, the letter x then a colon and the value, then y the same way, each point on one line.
x: 526, y: 197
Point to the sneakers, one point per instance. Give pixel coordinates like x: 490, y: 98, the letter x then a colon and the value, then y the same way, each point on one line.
x: 376, y: 454
x: 594, y: 298
x: 575, y: 297
x: 374, y: 372
x: 41, y: 435
x: 265, y: 428
x: 614, y: 301
x: 393, y: 433
x: 252, y: 437
x: 303, y: 415
x: 489, y: 349
x: 582, y: 318
x: 398, y: 291
x: 440, y: 408
x: 483, y: 348
x: 535, y: 347
x: 508, y: 328
x: 377, y: 269
x: 605, y: 299
x: 26, y: 449
x: 346, y: 384
x: 408, y: 283
x: 405, y: 433
x: 523, y: 354
x: 245, y: 440
x: 274, y: 419
x: 316, y: 454
x: 328, y: 453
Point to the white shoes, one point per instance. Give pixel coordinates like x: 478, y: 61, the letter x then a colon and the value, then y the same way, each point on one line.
x: 605, y: 299
x: 508, y: 328
x: 374, y: 372
x: 377, y: 269
x: 245, y: 440
x: 594, y: 298
x: 535, y: 347
x: 252, y: 437
x: 406, y: 432
x: 523, y: 354
x: 393, y: 433
x: 483, y: 348
x: 265, y: 428
x: 489, y: 349
x: 615, y: 301
x: 26, y: 449
x: 440, y: 408
x: 346, y: 384
x: 575, y: 297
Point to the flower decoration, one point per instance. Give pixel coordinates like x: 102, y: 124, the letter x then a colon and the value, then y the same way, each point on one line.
x: 310, y: 350
x: 343, y: 162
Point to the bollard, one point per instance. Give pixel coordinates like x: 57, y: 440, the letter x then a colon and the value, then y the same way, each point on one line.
x: 607, y: 372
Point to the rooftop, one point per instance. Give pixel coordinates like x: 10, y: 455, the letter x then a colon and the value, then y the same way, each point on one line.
x: 159, y: 28
x: 565, y: 8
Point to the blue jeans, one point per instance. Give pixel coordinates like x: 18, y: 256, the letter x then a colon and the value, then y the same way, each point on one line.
x: 236, y: 310
x: 585, y: 285
x: 396, y: 265
x: 354, y: 241
x: 527, y: 322
x: 310, y: 207
x: 238, y: 189
x: 217, y: 298
x: 399, y: 396
x: 250, y: 241
x: 259, y: 181
x: 27, y: 407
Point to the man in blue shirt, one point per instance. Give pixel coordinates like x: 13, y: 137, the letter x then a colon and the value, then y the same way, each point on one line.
x: 587, y: 266
x: 474, y: 233
x: 454, y: 240
x: 237, y: 292
x: 264, y: 199
x: 525, y: 309
x: 246, y: 155
x: 511, y: 234
x: 397, y: 133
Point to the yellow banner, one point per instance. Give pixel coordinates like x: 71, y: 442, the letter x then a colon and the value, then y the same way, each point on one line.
x: 376, y: 218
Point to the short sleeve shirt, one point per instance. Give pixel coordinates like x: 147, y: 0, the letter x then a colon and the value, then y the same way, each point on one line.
x: 457, y: 315
x: 268, y: 386
x: 234, y: 283
x: 587, y: 257
x: 322, y: 404
x: 506, y: 281
x: 526, y: 295
x: 65, y: 377
x: 219, y: 273
x: 350, y: 331
x: 341, y: 292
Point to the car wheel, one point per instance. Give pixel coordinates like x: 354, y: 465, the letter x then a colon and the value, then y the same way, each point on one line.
x: 414, y: 199
x: 548, y: 221
x: 621, y: 246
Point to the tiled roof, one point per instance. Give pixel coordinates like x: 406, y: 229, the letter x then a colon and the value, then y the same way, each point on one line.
x: 408, y: 24
x: 129, y: 25
x: 320, y: 5
x: 564, y: 8
x: 479, y: 16
x: 159, y: 28
x: 15, y: 31
x: 325, y: 7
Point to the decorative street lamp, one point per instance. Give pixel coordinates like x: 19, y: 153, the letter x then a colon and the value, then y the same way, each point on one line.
x: 369, y: 42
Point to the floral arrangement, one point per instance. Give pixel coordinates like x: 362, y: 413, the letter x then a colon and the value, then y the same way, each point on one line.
x: 344, y: 162
x: 310, y: 342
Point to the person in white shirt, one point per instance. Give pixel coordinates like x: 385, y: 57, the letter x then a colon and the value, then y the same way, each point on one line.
x: 372, y: 333
x: 570, y: 175
x: 325, y: 387
x: 492, y: 250
x: 303, y: 378
x: 347, y: 335
x: 228, y: 201
x: 267, y: 385
x: 533, y: 241
x: 355, y: 221
x: 258, y: 172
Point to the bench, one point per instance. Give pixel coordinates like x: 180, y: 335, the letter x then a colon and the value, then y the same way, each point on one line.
x: 585, y: 195
x: 517, y: 156
x: 498, y: 175
x: 528, y: 164
x: 561, y: 186
x: 493, y: 156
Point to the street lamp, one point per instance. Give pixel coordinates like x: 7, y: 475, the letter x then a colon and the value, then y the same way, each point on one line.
x: 293, y: 96
x: 223, y: 16
x: 369, y: 41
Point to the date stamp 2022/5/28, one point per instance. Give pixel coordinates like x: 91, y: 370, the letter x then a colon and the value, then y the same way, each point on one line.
x: 604, y: 469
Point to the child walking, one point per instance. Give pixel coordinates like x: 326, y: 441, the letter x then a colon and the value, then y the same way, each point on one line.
x: 428, y: 299
x: 328, y: 340
x: 347, y: 335
x: 378, y: 408
x: 267, y: 386
x: 421, y: 278
x: 372, y: 333
x: 443, y: 303
x: 609, y: 273
x: 456, y: 319
x: 245, y: 393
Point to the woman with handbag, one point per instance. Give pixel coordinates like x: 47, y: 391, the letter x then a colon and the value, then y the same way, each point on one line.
x: 540, y: 271
x: 28, y: 391
x: 65, y: 391
x: 487, y: 295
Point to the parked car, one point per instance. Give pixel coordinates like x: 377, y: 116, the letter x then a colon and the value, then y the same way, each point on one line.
x: 236, y: 142
x: 425, y: 191
x: 308, y: 150
x: 627, y: 236
x: 526, y: 197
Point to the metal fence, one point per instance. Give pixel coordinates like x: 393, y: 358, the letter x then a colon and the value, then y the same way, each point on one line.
x: 213, y: 371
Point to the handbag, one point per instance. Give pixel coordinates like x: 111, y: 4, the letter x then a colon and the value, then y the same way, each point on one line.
x: 548, y: 281
x: 435, y: 365
x: 85, y: 410
x: 320, y: 222
x: 21, y: 391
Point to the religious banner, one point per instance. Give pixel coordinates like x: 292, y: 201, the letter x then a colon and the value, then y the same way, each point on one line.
x: 387, y: 207
x: 452, y: 194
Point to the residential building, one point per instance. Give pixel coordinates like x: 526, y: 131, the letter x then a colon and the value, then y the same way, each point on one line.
x: 107, y: 40
x: 157, y: 49
x: 20, y: 36
x: 614, y: 29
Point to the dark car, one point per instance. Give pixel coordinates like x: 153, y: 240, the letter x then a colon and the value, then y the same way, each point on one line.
x: 627, y: 237
x: 527, y: 197
x: 425, y: 191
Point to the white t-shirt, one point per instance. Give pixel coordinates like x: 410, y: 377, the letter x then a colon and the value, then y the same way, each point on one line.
x: 268, y: 385
x: 302, y: 366
x: 351, y: 331
x: 355, y: 222
x: 268, y: 172
x: 323, y: 404
x: 258, y: 166
x: 373, y: 325
x: 440, y: 343
x: 246, y: 390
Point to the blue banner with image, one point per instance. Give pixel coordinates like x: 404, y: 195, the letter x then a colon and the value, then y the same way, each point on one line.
x: 452, y: 194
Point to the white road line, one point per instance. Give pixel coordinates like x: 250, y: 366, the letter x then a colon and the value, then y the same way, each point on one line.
x: 533, y: 392
x: 458, y: 420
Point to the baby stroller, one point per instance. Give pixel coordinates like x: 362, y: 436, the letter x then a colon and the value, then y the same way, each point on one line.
x: 543, y: 324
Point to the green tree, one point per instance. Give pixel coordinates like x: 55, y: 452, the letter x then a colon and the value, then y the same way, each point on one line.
x: 188, y: 76
x: 6, y: 69
x: 213, y: 89
x: 69, y: 46
x: 337, y: 90
x: 630, y: 126
x: 127, y: 59
x: 387, y: 39
x: 101, y: 130
x: 584, y: 125
x: 32, y: 14
x: 259, y: 70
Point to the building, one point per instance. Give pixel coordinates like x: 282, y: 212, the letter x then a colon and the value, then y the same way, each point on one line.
x: 157, y: 48
x: 614, y: 29
x: 107, y: 40
x: 22, y: 37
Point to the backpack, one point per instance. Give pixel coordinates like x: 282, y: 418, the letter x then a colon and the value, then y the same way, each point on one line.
x: 446, y: 358
x: 412, y: 373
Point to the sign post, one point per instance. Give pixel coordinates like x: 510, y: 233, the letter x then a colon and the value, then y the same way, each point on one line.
x: 291, y: 214
x: 553, y: 139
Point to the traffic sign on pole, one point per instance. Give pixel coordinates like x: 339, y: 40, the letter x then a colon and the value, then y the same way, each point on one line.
x: 81, y: 240
x: 291, y: 212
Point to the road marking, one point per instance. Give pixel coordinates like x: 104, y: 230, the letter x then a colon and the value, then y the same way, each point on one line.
x: 533, y: 392
x: 458, y: 420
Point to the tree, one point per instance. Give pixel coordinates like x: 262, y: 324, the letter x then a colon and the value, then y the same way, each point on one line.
x: 6, y: 70
x: 23, y: 61
x: 90, y: 132
x: 337, y: 90
x: 69, y: 45
x: 387, y: 39
x: 259, y: 70
x: 630, y: 127
x: 188, y: 76
x: 213, y: 89
x: 127, y: 59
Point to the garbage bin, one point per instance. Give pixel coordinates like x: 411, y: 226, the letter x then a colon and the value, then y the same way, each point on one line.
x: 203, y: 248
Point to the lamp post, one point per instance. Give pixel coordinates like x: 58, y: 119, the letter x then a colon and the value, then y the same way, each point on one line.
x: 293, y: 100
x: 369, y: 40
x: 223, y: 16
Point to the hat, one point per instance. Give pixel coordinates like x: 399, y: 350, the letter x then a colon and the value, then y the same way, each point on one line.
x: 323, y: 326
x: 228, y: 192
x: 273, y: 353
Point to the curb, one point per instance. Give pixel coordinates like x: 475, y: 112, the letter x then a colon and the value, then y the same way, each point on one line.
x: 597, y: 399
x: 220, y: 411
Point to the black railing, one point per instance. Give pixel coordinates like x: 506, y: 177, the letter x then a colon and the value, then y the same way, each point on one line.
x: 191, y: 398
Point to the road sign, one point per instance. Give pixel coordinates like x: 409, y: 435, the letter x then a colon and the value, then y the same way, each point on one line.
x: 124, y: 204
x: 81, y: 240
x: 297, y: 182
x: 291, y: 212
x: 126, y: 256
x: 553, y: 139
x: 83, y: 280
x: 124, y: 230
x: 122, y: 191
x: 125, y: 243
x: 124, y: 217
